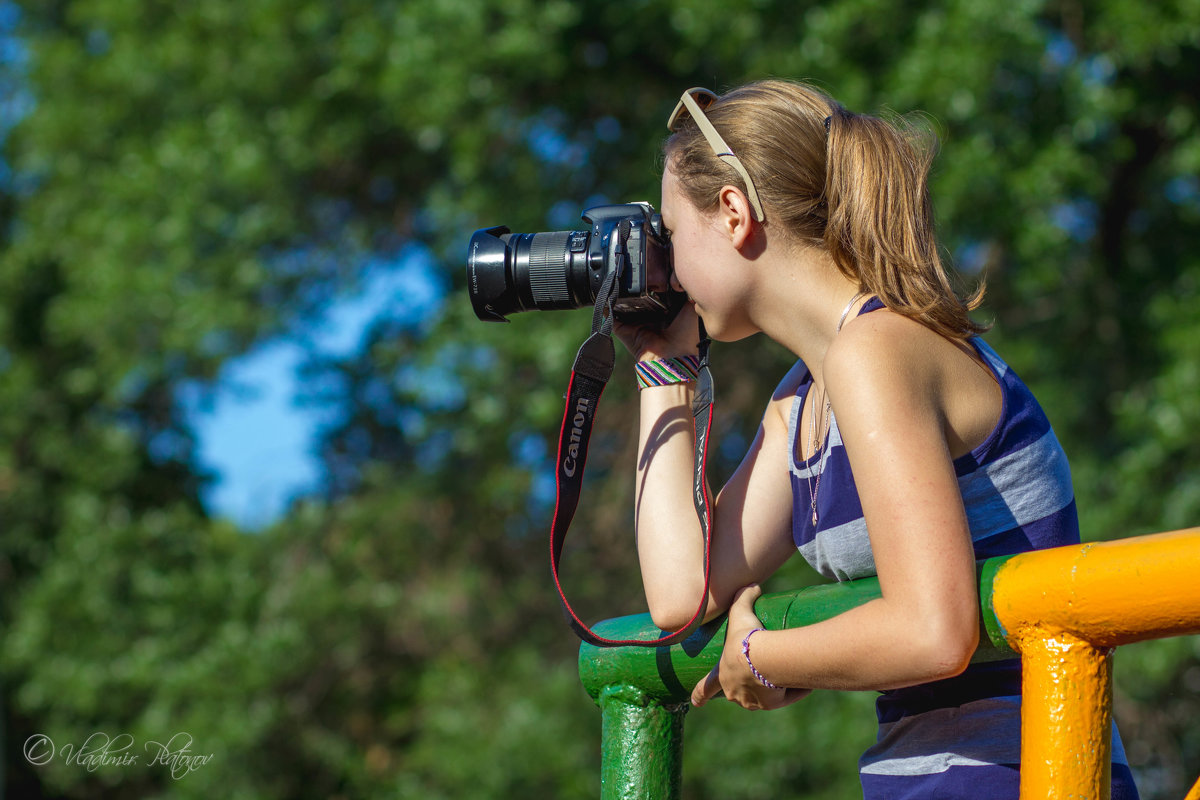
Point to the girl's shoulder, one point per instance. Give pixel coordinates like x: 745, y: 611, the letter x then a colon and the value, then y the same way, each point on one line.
x: 883, y: 345
x: 886, y: 358
x: 884, y: 342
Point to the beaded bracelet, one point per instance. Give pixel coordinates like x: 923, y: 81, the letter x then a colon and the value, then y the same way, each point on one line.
x: 746, y: 653
x: 667, y: 371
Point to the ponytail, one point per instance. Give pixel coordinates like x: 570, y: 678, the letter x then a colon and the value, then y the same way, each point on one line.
x: 853, y: 185
x: 879, y: 221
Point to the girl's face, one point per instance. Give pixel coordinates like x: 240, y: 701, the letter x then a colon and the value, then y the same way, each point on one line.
x: 704, y: 262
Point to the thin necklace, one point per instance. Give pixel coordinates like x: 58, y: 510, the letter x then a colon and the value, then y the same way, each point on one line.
x: 812, y: 417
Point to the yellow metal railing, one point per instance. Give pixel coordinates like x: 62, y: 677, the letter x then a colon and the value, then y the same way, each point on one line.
x: 1064, y: 610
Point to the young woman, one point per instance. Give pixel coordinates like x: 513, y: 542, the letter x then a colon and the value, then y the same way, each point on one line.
x: 899, y: 445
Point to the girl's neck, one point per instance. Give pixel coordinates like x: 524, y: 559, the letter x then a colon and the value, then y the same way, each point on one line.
x: 802, y: 303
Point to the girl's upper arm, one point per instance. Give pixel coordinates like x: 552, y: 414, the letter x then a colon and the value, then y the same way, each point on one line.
x: 887, y: 395
x: 753, y: 521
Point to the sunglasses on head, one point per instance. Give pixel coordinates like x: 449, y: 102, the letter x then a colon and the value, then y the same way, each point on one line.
x: 694, y: 101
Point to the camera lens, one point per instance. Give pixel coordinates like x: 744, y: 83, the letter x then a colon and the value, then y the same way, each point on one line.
x: 510, y: 272
x: 548, y: 262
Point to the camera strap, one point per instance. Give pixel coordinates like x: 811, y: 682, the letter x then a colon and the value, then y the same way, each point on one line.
x: 591, y: 372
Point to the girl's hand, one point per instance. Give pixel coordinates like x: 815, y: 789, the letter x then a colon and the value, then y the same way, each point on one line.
x: 680, y: 338
x: 732, y: 673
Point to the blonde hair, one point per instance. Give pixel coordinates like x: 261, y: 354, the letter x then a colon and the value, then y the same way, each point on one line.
x: 851, y: 184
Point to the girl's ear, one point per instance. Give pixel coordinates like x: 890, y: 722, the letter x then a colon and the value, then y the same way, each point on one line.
x: 736, y: 215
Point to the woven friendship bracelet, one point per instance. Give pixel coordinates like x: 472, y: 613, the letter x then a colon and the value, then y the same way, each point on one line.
x: 746, y: 653
x: 667, y: 371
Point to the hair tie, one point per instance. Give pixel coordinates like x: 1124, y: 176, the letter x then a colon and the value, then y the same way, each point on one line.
x: 827, y: 121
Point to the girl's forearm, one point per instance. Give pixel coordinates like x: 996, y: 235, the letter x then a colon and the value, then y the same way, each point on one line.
x: 669, y: 539
x: 873, y: 647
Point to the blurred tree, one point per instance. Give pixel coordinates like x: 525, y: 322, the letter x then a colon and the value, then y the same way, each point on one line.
x: 190, y: 178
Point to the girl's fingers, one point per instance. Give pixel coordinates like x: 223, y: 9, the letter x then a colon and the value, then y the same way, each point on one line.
x: 708, y: 688
x: 743, y: 604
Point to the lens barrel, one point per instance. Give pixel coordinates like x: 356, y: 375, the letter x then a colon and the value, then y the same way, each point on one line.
x: 511, y: 272
x: 548, y: 264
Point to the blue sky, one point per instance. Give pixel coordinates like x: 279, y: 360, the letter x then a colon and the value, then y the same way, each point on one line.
x: 253, y: 434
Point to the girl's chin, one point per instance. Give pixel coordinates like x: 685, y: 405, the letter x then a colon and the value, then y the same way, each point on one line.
x: 724, y: 333
x: 719, y: 330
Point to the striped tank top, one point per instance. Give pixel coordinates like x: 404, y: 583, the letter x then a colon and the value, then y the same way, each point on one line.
x: 958, y: 737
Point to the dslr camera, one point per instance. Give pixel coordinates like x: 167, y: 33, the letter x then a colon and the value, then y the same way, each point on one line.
x: 510, y: 272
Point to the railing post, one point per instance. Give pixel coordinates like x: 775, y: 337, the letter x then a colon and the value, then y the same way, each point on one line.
x: 1066, y: 718
x: 641, y: 745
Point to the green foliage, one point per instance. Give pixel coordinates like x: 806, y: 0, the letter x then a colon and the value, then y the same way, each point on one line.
x: 194, y: 177
x: 801, y: 751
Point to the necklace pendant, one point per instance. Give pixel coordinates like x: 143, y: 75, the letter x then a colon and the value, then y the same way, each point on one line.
x: 814, y: 516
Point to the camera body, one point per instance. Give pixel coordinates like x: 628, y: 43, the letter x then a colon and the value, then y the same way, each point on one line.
x: 510, y: 272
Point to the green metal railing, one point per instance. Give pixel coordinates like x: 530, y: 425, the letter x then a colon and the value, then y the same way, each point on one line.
x: 644, y: 692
